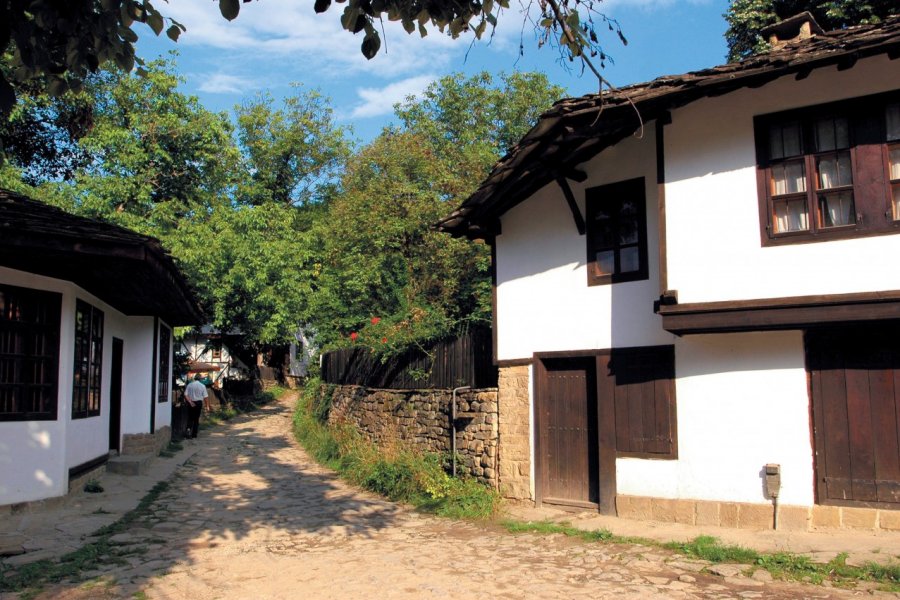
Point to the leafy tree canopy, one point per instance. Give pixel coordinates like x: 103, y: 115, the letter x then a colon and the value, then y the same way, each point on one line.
x: 746, y: 18
x: 384, y: 276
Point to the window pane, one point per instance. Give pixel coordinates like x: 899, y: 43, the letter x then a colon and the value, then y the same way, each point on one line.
x: 895, y: 162
x: 836, y: 209
x: 790, y: 215
x: 606, y: 262
x: 832, y: 134
x: 834, y: 170
x: 893, y: 122
x: 784, y: 141
x: 629, y: 259
x: 789, y: 178
x: 896, y: 194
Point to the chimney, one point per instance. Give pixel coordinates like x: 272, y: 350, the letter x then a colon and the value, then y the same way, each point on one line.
x: 793, y: 29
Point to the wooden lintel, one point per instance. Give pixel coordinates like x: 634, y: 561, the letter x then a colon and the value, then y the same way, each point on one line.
x: 570, y: 200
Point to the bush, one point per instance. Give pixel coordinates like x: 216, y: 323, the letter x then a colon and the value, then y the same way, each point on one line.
x: 396, y: 472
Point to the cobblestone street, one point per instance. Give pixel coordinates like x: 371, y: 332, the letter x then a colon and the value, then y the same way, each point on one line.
x: 251, y: 516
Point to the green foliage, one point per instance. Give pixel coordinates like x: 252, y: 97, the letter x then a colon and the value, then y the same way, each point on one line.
x: 394, y: 471
x: 746, y: 17
x: 385, y: 278
x: 292, y: 153
x: 708, y: 548
x: 55, y: 46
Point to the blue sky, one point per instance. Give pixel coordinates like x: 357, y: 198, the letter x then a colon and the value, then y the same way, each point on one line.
x: 274, y: 43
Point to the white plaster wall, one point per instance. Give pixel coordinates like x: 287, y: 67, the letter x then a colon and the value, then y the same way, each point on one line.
x: 35, y: 456
x: 712, y: 218
x: 543, y: 300
x: 137, y: 377
x: 742, y: 402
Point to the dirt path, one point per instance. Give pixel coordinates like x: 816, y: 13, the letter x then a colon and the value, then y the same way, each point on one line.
x: 251, y: 516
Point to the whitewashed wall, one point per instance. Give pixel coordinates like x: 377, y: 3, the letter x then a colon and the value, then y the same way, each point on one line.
x: 543, y: 300
x: 742, y: 402
x: 35, y: 456
x: 714, y: 249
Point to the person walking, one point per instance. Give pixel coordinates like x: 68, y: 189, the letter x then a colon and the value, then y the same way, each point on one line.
x: 195, y: 394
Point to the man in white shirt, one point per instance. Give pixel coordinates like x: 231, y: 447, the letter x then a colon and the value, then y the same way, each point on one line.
x: 195, y: 395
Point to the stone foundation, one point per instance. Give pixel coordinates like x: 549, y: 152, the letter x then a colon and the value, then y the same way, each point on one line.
x: 743, y: 515
x: 515, y: 437
x: 421, y: 418
x: 146, y: 443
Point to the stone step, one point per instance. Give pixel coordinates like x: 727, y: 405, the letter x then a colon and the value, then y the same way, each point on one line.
x: 130, y: 464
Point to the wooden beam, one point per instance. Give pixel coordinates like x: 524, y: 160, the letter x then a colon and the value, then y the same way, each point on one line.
x: 570, y: 199
x: 576, y: 175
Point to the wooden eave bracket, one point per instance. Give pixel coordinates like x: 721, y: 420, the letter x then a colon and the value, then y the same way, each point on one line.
x: 573, y: 206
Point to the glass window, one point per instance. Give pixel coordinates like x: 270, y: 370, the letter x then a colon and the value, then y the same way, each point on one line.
x: 29, y: 353
x: 815, y: 178
x: 617, y: 232
x: 162, y: 368
x: 86, y: 386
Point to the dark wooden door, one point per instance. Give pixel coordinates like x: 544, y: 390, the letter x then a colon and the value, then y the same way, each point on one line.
x: 568, y: 447
x: 115, y: 394
x: 855, y: 389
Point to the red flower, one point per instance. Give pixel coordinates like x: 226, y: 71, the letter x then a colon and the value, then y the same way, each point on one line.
x: 384, y: 340
x: 353, y: 336
x: 376, y: 320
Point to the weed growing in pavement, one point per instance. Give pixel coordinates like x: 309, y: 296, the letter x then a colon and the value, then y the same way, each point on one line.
x: 28, y: 579
x: 782, y: 565
x: 93, y: 487
x: 393, y: 470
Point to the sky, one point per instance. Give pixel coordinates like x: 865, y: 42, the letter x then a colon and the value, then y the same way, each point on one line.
x: 276, y: 43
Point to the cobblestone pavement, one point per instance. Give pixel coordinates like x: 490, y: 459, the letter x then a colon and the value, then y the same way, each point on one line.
x: 251, y: 516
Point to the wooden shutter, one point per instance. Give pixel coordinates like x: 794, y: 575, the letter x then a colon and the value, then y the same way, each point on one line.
x: 645, y: 401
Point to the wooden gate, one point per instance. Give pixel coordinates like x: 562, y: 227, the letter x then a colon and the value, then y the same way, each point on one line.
x: 568, y: 432
x: 855, y: 390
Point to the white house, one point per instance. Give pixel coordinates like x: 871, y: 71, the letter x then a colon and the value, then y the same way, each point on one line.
x: 209, y: 351
x: 86, y: 317
x: 695, y: 288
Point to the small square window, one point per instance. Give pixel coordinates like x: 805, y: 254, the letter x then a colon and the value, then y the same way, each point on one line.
x: 617, y: 233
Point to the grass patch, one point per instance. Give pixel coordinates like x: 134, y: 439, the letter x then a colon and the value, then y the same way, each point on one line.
x: 392, y: 470
x: 782, y: 565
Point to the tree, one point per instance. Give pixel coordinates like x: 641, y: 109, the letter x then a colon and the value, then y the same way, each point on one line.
x: 293, y: 153
x: 746, y: 18
x: 384, y: 274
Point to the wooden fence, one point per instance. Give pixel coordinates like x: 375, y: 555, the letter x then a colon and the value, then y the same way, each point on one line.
x: 466, y: 360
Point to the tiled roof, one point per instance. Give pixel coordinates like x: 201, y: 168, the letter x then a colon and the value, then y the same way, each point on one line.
x: 576, y: 129
x: 130, y: 271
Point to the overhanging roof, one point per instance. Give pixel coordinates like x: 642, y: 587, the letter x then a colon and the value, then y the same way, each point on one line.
x: 577, y: 129
x: 129, y: 271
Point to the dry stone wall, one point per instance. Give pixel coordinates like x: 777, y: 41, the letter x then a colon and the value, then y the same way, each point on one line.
x: 421, y: 418
x: 515, y: 447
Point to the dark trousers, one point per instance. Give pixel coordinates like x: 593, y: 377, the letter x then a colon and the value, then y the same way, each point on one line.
x: 193, y: 424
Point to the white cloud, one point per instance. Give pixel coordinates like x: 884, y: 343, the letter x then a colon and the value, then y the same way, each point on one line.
x: 380, y: 101
x: 292, y: 31
x: 220, y: 83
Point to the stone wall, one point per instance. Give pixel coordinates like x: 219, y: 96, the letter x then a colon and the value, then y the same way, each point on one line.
x: 421, y: 418
x: 515, y: 437
x: 146, y: 443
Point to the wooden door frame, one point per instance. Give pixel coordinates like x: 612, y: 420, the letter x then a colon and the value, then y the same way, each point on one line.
x: 606, y: 426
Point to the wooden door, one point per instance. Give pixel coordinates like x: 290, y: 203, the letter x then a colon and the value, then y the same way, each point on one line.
x: 855, y: 390
x: 568, y: 444
x: 115, y: 394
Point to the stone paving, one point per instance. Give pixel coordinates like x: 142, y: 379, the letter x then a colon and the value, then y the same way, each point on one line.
x: 251, y: 516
